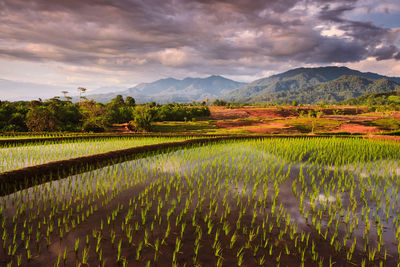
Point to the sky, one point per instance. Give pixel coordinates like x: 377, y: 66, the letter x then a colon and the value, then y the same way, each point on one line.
x: 117, y: 44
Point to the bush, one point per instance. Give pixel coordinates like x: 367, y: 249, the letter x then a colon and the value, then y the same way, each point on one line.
x: 218, y: 102
x: 40, y: 119
x: 143, y: 118
x: 94, y: 126
x: 178, y: 112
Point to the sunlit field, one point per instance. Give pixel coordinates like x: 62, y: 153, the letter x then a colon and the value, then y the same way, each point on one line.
x: 264, y: 202
x: 17, y: 156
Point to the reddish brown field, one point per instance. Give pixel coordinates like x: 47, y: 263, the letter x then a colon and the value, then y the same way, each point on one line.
x: 356, y: 128
x: 281, y: 120
x: 220, y: 113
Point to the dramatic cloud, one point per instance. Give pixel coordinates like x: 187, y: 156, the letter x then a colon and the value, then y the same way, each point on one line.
x: 151, y: 39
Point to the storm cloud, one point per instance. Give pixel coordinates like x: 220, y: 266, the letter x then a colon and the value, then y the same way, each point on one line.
x: 201, y: 37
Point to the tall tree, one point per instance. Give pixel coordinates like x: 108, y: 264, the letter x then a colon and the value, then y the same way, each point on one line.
x: 94, y: 116
x: 65, y: 93
x: 130, y: 101
x: 81, y: 90
x: 40, y: 119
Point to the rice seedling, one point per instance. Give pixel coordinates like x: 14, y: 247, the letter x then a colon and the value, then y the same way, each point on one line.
x: 17, y: 156
x: 264, y: 202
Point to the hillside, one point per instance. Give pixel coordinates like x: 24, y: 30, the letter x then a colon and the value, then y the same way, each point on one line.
x: 381, y: 98
x: 276, y: 87
x: 343, y: 88
x: 174, y: 90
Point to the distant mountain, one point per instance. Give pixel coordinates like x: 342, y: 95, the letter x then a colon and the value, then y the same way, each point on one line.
x: 343, y: 88
x: 277, y: 87
x: 174, y: 90
x: 106, y: 90
x: 12, y: 90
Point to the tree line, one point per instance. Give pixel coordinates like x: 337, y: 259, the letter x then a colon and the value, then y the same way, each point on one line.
x: 56, y: 115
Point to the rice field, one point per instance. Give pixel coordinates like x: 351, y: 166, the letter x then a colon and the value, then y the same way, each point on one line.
x: 17, y: 156
x: 264, y: 202
x: 28, y: 136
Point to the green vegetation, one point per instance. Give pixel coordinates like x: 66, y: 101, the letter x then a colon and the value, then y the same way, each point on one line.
x: 146, y: 115
x: 312, y: 86
x: 270, y: 202
x: 22, y: 135
x: 343, y: 88
x: 13, y: 157
x: 311, y: 124
x: 378, y: 101
x: 391, y: 124
x: 223, y: 103
x: 55, y: 115
x: 201, y: 126
x: 206, y: 127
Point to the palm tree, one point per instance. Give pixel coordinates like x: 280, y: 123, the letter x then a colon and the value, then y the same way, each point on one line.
x: 81, y: 91
x: 65, y: 94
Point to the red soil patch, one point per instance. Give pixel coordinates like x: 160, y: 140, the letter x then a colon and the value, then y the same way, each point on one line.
x: 356, y: 128
x: 396, y: 115
x: 235, y: 124
x: 350, y: 118
x: 254, y: 126
x: 343, y: 110
x: 220, y: 113
x: 270, y: 128
x: 268, y: 113
x: 273, y: 112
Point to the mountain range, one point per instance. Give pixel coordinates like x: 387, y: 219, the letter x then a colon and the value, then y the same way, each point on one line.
x: 303, y: 85
x: 313, y: 85
x: 343, y: 88
x: 174, y: 90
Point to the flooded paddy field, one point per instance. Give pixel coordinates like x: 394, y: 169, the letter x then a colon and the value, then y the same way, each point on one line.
x: 18, y: 156
x: 266, y: 202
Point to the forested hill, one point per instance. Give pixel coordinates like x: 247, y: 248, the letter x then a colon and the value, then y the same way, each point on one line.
x: 283, y: 87
x: 376, y: 99
x: 343, y: 88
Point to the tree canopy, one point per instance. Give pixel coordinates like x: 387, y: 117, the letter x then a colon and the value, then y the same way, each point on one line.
x: 87, y: 115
